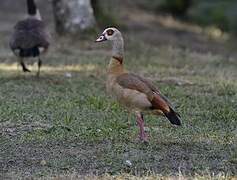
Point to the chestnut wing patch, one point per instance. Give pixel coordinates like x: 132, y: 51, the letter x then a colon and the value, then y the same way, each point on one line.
x: 154, y: 89
x: 159, y: 103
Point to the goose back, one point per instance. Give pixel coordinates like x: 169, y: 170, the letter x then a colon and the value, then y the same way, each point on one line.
x: 29, y: 35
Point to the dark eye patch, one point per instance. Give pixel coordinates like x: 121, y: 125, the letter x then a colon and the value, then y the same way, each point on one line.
x: 110, y: 32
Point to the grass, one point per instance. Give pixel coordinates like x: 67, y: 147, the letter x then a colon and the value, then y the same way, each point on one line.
x: 64, y: 123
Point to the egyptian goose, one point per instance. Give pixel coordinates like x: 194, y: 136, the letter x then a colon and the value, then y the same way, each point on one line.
x: 136, y: 93
x: 30, y: 38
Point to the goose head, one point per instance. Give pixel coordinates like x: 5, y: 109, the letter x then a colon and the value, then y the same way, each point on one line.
x: 110, y: 34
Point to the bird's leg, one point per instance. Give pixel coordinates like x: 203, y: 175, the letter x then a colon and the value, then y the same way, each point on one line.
x: 24, y: 68
x: 39, y: 65
x: 140, y: 122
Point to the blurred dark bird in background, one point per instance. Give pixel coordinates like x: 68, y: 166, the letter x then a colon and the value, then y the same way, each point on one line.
x: 30, y: 38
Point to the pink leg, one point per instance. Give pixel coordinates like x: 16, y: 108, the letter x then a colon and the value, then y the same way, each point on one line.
x: 140, y: 122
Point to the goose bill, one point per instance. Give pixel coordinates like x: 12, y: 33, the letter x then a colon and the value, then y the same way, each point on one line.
x: 101, y: 39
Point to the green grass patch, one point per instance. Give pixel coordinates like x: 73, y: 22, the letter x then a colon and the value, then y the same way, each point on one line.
x: 71, y: 125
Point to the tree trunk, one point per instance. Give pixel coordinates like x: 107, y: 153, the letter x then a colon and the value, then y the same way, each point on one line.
x: 73, y: 16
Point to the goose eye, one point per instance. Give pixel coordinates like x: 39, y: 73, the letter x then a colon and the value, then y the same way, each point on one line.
x: 110, y: 32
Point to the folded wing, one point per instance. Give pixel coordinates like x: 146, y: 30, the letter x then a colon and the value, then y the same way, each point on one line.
x: 157, y: 100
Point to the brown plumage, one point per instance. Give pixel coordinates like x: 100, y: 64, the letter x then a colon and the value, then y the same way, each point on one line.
x: 29, y: 37
x: 134, y: 92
